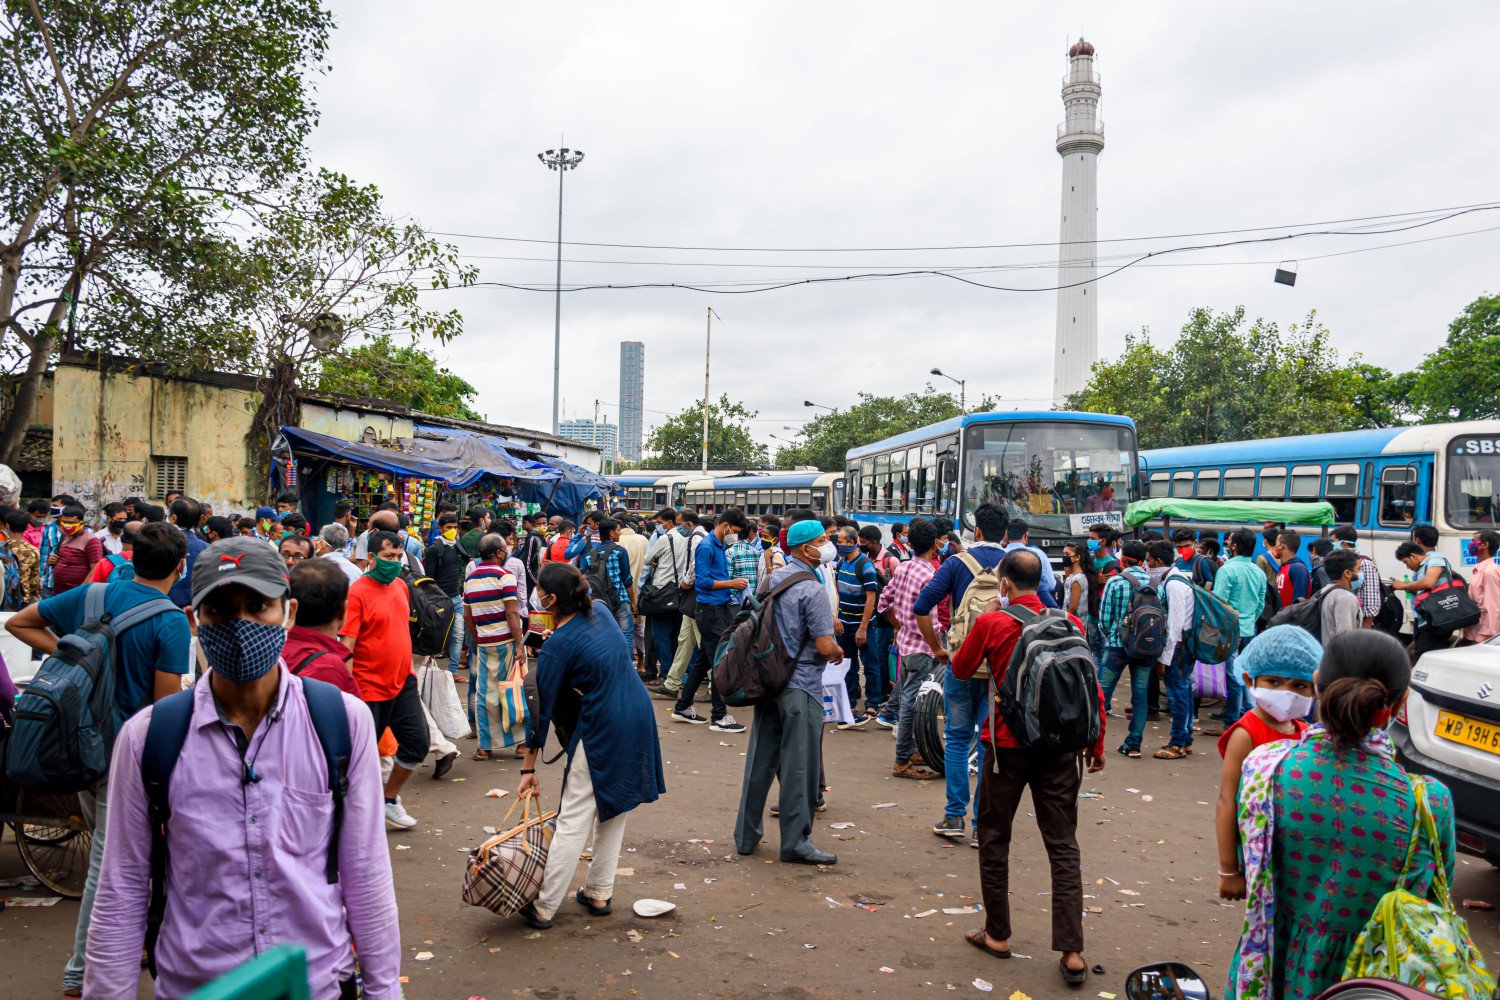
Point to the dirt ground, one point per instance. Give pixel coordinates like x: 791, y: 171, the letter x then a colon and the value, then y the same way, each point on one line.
x: 753, y: 927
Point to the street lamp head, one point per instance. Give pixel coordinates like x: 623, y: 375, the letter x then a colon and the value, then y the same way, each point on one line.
x: 938, y: 371
x: 808, y: 402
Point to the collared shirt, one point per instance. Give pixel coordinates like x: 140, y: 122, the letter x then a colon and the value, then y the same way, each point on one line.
x: 113, y: 543
x: 744, y: 562
x: 1242, y: 585
x: 1177, y: 597
x: 52, y: 537
x: 856, y: 578
x: 635, y: 547
x: 1370, y: 597
x: 711, y: 566
x: 1114, y: 604
x: 246, y: 867
x: 181, y: 593
x: 1484, y: 588
x: 341, y: 560
x: 667, y: 558
x: 486, y: 592
x: 803, y: 616
x: 900, y: 595
x: 28, y: 563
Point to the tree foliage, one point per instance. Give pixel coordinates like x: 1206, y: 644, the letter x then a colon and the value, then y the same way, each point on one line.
x: 828, y: 436
x: 130, y: 130
x: 402, y: 373
x: 678, y: 443
x: 1461, y: 379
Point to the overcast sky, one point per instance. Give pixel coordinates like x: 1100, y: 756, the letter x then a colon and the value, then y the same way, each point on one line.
x: 855, y: 125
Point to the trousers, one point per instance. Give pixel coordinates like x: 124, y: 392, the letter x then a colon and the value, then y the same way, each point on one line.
x: 785, y: 745
x: 1054, y: 781
x: 661, y: 642
x: 915, y: 668
x: 687, y: 645
x: 95, y: 809
x: 712, y: 620
x: 965, y: 704
x: 578, y: 824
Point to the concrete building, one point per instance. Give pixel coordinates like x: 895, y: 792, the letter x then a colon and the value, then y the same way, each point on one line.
x: 604, y: 436
x: 632, y: 397
x: 1080, y: 140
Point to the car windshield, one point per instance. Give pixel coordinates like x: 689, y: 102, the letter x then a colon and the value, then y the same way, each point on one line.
x: 1048, y: 473
x: 1473, y: 474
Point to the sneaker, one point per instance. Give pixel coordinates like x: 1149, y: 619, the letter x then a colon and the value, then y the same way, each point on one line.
x: 690, y: 716
x: 662, y: 691
x: 821, y: 807
x: 858, y: 723
x: 444, y: 765
x: 726, y: 725
x: 885, y: 723
x: 949, y: 826
x: 911, y: 769
x: 974, y: 838
x: 397, y: 816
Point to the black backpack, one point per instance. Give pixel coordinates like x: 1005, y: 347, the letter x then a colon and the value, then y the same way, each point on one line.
x: 600, y: 587
x: 1144, y: 628
x: 1392, y: 613
x: 1270, y: 608
x: 431, y: 618
x: 1049, y: 697
x: 1306, y: 615
x: 751, y: 665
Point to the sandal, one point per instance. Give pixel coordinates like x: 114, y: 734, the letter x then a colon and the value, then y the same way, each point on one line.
x: 1127, y: 752
x: 529, y: 914
x: 482, y: 755
x: 1171, y: 753
x: 1073, y: 977
x: 595, y: 908
x: 976, y: 938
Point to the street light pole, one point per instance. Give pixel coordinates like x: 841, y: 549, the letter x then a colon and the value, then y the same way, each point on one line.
x: 562, y: 160
x: 708, y: 343
x: 961, y: 400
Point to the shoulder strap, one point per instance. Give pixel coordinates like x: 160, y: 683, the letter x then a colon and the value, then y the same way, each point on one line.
x: 140, y: 613
x: 791, y: 581
x: 969, y: 561
x: 297, y: 670
x: 1023, y: 615
x: 93, y: 602
x: 165, y: 734
x: 325, y: 705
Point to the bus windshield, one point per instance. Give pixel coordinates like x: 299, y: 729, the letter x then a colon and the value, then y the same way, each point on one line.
x: 1473, y: 475
x: 1042, y: 472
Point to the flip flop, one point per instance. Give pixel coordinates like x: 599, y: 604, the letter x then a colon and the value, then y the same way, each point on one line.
x: 976, y: 938
x: 482, y: 755
x: 1132, y: 754
x: 1073, y: 977
x: 595, y: 909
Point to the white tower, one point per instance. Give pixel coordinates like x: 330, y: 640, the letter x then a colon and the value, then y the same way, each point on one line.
x: 1080, y: 140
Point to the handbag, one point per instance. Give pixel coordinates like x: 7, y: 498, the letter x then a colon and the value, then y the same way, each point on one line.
x: 663, y: 598
x: 440, y: 695
x: 1446, y: 608
x: 512, y: 692
x: 505, y: 872
x: 1210, y: 680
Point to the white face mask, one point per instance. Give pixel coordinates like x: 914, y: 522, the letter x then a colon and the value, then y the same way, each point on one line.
x: 732, y: 538
x: 828, y: 553
x: 1281, y: 704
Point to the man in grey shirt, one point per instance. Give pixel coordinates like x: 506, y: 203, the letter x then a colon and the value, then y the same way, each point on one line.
x: 787, y: 736
x: 1340, y: 611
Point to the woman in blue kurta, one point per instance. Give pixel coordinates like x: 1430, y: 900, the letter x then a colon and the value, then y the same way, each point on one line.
x: 585, y: 676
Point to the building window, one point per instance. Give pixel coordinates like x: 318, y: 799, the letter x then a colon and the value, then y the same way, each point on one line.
x: 170, y: 472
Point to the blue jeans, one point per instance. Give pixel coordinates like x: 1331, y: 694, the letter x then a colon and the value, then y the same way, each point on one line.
x: 915, y: 669
x: 1113, y: 666
x: 1236, y: 701
x: 1179, y: 685
x: 661, y: 643
x: 965, y: 703
x: 876, y: 654
x: 456, y: 637
x: 625, y: 618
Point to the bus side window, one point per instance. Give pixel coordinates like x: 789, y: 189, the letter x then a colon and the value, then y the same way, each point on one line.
x: 947, y: 490
x: 1398, y: 495
x: 1341, y: 489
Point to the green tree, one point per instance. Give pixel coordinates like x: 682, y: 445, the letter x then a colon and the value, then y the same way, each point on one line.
x: 678, y: 443
x: 828, y: 436
x: 133, y: 132
x: 402, y: 373
x: 1461, y: 379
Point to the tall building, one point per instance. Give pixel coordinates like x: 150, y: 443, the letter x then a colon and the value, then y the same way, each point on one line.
x: 604, y: 436
x: 632, y: 397
x: 1080, y: 140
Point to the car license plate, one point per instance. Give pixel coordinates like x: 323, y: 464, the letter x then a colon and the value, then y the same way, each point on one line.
x: 1470, y: 732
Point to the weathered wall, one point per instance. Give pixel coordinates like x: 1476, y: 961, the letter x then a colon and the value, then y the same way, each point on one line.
x: 106, y: 429
x: 350, y: 424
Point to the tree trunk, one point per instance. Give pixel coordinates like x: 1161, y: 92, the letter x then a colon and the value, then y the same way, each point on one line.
x: 23, y: 403
x: 280, y: 404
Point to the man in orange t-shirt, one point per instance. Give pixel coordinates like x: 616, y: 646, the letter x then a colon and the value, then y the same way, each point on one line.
x: 377, y: 629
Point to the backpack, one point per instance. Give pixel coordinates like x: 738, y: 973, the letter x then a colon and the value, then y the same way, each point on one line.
x: 1214, y: 633
x: 13, y: 598
x: 1421, y: 943
x: 1269, y: 608
x: 124, y: 568
x: 600, y: 587
x: 1306, y: 615
x: 1392, y: 613
x: 984, y: 588
x: 751, y: 664
x: 165, y: 736
x: 1144, y: 628
x: 65, y: 719
x: 431, y: 618
x: 1049, y: 697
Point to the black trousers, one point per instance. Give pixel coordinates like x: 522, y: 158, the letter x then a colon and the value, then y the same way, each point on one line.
x: 407, y: 722
x: 1427, y: 641
x: 712, y: 620
x: 1054, y: 781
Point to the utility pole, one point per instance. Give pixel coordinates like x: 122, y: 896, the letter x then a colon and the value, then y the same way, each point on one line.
x: 562, y: 160
x: 708, y: 342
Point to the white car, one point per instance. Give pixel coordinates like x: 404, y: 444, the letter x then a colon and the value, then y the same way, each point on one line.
x: 1450, y: 729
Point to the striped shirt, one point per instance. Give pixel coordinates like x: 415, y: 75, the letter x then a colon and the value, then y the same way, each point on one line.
x: 900, y: 595
x: 485, y: 593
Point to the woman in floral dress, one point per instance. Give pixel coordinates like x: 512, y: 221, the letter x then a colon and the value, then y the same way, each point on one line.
x: 1325, y: 826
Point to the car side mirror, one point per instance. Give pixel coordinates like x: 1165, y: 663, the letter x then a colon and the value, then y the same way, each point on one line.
x: 1166, y: 981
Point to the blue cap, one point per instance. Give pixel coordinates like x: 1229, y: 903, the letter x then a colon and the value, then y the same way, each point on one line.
x: 803, y: 532
x: 1281, y: 651
x: 266, y: 514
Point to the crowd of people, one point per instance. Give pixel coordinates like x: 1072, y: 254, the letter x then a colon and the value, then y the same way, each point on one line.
x: 282, y: 793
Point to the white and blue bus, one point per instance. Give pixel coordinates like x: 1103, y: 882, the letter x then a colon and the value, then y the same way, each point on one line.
x: 1059, y: 471
x: 767, y: 493
x: 1380, y: 481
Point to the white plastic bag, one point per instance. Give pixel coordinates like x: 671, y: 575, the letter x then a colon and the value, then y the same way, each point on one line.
x: 440, y: 695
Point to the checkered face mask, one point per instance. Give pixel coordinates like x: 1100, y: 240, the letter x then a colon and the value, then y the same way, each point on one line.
x: 241, y: 650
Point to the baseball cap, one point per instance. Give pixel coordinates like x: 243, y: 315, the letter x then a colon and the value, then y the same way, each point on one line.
x: 249, y: 562
x: 267, y: 514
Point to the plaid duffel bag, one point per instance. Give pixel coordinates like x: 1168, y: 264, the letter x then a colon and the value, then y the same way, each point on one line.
x: 505, y: 872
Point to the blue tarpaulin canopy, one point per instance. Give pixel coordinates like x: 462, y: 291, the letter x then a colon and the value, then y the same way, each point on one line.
x: 381, y: 459
x: 564, y: 490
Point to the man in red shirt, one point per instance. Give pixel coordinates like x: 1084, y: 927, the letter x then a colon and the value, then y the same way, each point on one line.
x: 1053, y: 777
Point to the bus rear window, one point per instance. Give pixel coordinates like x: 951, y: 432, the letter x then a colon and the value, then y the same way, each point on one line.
x: 1473, y: 476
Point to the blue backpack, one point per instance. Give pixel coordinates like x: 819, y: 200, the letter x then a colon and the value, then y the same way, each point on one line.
x: 1213, y: 635
x: 165, y: 735
x: 66, y: 718
x: 14, y: 595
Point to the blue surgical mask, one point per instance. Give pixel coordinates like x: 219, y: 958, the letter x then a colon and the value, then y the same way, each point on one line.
x: 1093, y: 545
x: 945, y: 548
x: 845, y: 551
x: 1357, y: 582
x: 241, y: 650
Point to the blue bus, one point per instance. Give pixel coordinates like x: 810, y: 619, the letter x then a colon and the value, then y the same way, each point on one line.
x: 1380, y: 481
x: 767, y: 493
x: 649, y: 490
x: 1058, y: 471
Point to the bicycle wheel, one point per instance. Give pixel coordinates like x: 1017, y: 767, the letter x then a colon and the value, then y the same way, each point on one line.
x: 927, y: 727
x: 55, y: 850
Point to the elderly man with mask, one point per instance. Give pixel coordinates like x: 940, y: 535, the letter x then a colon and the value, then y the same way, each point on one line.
x: 786, y: 737
x: 330, y: 544
x: 251, y: 851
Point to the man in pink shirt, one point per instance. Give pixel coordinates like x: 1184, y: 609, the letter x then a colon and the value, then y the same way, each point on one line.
x: 915, y: 657
x: 1484, y: 586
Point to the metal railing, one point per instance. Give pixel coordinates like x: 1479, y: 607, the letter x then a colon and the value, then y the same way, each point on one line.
x: 1070, y: 128
x: 1086, y: 76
